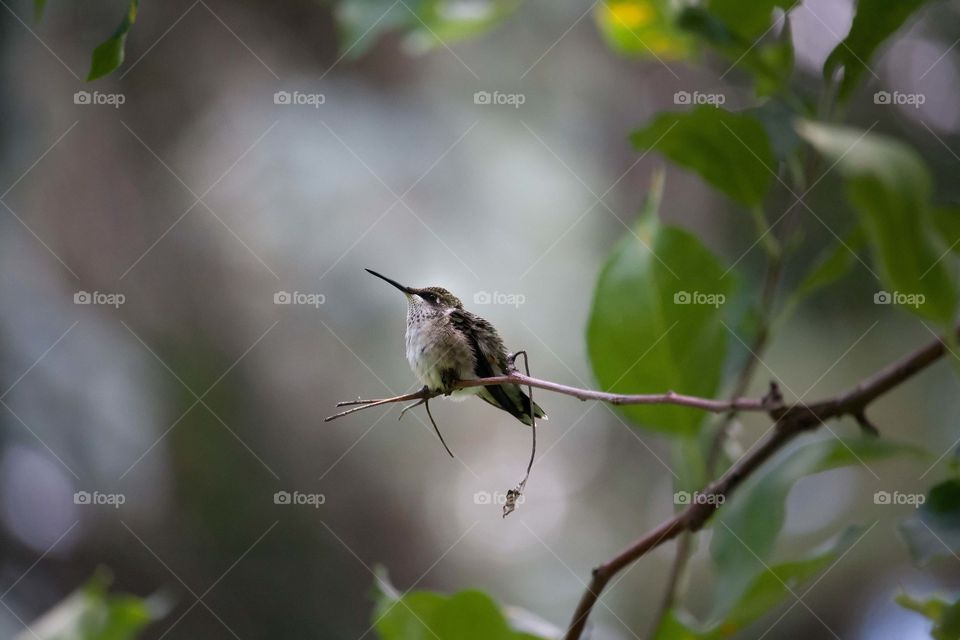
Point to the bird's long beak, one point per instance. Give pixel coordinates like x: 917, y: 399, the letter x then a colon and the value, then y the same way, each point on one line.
x: 406, y: 290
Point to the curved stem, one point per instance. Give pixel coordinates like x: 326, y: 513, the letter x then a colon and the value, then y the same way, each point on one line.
x: 790, y: 423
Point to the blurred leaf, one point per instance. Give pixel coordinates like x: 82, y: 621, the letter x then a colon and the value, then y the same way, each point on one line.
x: 874, y: 22
x: 746, y: 529
x: 749, y: 19
x: 38, y: 8
x: 890, y: 187
x: 427, y: 24
x: 651, y: 327
x: 769, y: 588
x: 944, y: 615
x: 777, y: 120
x: 109, y: 54
x: 92, y: 613
x: 833, y: 264
x: 935, y: 528
x: 643, y: 28
x: 770, y: 61
x: 946, y: 220
x: 446, y: 21
x: 423, y: 615
x: 729, y: 150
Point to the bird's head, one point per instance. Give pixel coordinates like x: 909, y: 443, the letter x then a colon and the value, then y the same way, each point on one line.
x: 430, y: 299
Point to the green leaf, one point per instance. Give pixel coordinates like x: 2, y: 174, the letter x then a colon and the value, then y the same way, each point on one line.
x: 767, y: 590
x: 935, y: 528
x: 833, y: 264
x: 109, y: 54
x: 92, y: 613
x: 426, y: 24
x: 747, y: 528
x: 748, y: 19
x: 890, y: 187
x: 729, y: 150
x: 770, y: 61
x: 655, y: 321
x: 643, y: 28
x: 946, y: 220
x: 423, y: 615
x: 944, y: 615
x: 38, y: 8
x: 874, y: 22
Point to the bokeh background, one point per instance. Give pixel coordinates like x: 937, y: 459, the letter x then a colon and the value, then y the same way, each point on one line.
x: 199, y: 198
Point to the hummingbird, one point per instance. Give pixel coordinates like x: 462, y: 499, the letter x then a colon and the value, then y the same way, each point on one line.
x: 445, y: 343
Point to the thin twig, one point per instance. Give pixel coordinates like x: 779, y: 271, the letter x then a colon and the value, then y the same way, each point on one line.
x: 514, y: 494
x: 789, y: 423
x: 515, y: 377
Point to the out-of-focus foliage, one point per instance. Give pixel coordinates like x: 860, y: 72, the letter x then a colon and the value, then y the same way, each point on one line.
x: 891, y: 189
x: 93, y: 613
x: 935, y: 528
x: 647, y: 331
x: 109, y: 54
x: 643, y: 28
x: 769, y: 58
x: 769, y: 588
x: 874, y: 22
x: 745, y: 531
x: 729, y: 150
x: 426, y: 24
x: 425, y: 615
x: 944, y: 615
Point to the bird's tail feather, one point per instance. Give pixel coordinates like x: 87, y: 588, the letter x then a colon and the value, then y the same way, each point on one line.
x: 512, y: 399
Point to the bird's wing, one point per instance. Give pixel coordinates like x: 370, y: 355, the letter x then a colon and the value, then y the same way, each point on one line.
x: 490, y: 353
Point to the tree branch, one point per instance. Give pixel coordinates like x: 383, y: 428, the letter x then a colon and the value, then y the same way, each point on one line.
x: 789, y: 422
x: 769, y: 403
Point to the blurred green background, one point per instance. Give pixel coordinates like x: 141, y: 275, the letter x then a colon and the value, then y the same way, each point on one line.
x: 203, y: 196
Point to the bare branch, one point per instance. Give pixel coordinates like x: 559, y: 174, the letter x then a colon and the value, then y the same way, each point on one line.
x: 515, y: 377
x: 790, y: 422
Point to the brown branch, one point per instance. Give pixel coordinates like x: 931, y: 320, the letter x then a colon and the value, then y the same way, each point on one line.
x: 515, y: 377
x: 790, y: 422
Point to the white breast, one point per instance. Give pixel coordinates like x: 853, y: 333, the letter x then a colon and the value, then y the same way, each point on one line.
x: 432, y: 348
